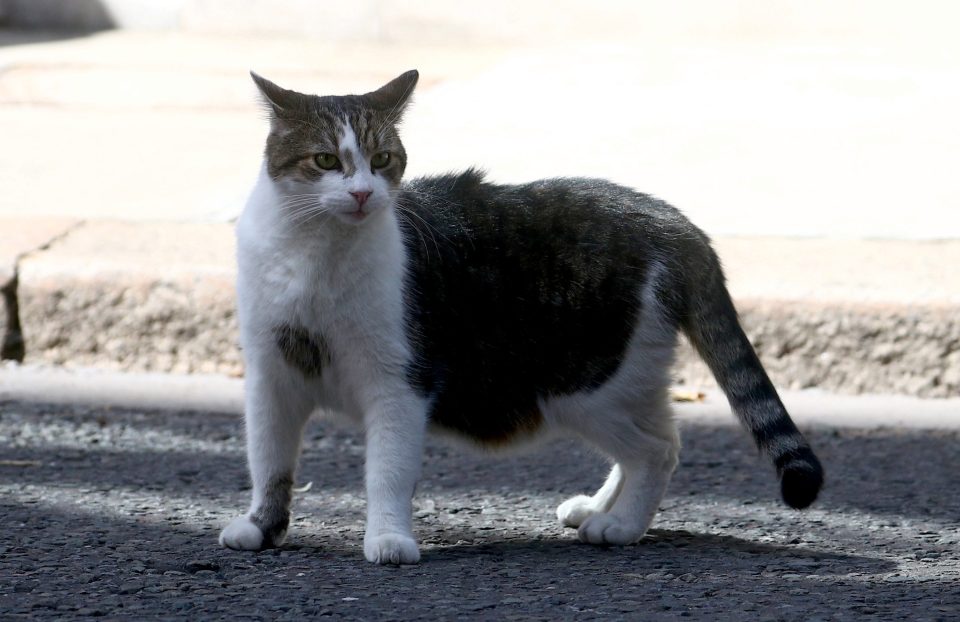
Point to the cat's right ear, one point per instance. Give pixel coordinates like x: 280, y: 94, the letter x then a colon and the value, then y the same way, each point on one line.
x: 394, y: 96
x: 279, y: 101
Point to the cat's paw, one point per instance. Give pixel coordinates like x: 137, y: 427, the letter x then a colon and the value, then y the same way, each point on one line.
x: 608, y: 529
x: 242, y: 535
x: 391, y: 548
x: 575, y: 510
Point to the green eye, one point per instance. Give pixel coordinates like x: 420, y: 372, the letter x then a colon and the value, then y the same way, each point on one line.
x: 380, y: 160
x: 327, y: 161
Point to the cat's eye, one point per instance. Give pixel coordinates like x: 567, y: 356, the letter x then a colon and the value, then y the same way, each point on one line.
x: 379, y: 160
x: 327, y: 161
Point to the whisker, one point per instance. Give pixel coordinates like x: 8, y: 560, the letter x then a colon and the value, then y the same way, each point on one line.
x: 426, y: 251
x: 301, y: 214
x: 430, y: 229
x: 306, y: 215
x: 447, y: 202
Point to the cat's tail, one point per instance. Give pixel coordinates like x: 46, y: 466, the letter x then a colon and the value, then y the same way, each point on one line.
x: 710, y: 322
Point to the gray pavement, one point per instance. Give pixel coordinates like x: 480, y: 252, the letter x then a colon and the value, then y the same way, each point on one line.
x: 114, y: 510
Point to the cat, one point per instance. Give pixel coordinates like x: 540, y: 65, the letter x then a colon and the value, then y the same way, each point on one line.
x: 496, y: 313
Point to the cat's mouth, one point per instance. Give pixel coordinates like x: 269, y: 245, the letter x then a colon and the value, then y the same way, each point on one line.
x: 355, y: 216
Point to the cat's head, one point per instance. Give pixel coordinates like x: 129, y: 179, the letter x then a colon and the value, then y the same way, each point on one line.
x: 336, y: 155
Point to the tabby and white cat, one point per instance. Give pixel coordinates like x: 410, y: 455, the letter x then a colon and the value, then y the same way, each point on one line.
x: 493, y: 312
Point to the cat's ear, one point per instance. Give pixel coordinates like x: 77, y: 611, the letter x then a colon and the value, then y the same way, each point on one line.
x: 278, y: 99
x: 394, y: 96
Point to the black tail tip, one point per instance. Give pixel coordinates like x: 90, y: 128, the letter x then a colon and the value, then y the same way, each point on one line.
x: 801, y: 478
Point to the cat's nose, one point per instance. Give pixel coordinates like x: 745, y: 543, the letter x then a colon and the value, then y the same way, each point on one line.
x: 361, y: 197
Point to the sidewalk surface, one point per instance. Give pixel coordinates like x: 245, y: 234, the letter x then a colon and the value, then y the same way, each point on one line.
x: 821, y: 158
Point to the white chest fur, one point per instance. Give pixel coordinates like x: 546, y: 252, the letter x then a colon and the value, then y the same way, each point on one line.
x: 340, y: 281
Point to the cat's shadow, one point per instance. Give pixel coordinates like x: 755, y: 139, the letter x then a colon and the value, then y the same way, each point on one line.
x: 666, y: 550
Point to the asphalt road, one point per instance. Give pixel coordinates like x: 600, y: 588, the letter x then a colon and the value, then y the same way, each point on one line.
x: 115, y: 513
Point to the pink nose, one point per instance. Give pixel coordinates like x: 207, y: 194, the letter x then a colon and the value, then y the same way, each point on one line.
x: 361, y: 197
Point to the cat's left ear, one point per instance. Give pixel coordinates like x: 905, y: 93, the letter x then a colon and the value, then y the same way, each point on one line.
x: 281, y: 102
x: 394, y: 96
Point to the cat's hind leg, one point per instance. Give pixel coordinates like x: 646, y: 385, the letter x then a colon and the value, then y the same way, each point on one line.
x: 575, y: 510
x: 276, y: 410
x: 646, y: 450
x: 629, y: 419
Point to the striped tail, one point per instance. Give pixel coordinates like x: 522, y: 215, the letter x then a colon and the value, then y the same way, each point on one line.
x: 712, y: 326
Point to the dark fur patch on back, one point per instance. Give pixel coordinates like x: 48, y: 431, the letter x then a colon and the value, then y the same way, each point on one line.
x: 521, y: 292
x: 306, y: 351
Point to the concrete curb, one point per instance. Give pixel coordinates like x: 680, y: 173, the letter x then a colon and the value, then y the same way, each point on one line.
x: 848, y: 347
x: 126, y: 296
x: 19, y: 238
x: 159, y: 297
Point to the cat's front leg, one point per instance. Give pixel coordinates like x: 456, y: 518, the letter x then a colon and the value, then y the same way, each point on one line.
x: 276, y: 410
x: 395, y: 432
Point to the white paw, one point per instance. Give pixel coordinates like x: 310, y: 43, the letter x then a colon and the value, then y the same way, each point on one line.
x: 241, y: 534
x: 391, y: 548
x: 575, y: 510
x: 608, y: 529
